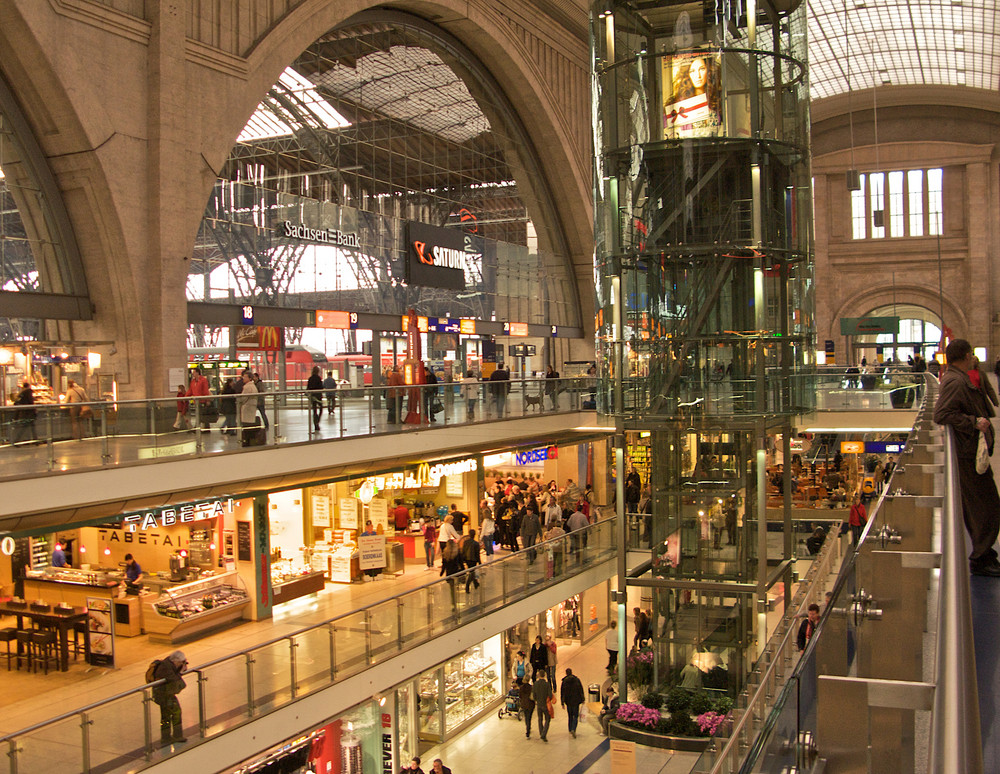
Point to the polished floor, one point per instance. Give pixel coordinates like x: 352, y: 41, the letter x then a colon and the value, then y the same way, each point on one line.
x: 499, y: 744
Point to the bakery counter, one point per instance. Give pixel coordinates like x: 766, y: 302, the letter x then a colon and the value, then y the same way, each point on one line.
x: 297, y: 586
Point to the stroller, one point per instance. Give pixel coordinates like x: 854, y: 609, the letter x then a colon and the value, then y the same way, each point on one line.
x: 511, y: 705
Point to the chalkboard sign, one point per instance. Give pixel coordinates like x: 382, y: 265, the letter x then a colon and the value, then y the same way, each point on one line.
x: 244, y: 548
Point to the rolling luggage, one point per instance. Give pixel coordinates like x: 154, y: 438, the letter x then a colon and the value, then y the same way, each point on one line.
x: 254, y: 436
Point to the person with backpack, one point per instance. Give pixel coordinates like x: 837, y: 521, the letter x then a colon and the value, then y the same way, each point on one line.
x: 470, y: 558
x: 168, y: 673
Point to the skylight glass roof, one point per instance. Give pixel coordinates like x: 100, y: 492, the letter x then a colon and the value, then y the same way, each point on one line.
x: 920, y: 42
x: 272, y: 119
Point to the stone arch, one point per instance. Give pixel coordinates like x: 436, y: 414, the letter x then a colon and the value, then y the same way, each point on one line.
x: 557, y: 171
x: 863, y: 302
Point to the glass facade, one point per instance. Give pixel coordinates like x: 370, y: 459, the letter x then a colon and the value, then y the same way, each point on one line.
x: 703, y: 260
x: 368, y: 130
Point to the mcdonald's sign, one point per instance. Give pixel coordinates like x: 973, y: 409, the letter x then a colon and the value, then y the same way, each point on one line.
x: 269, y: 337
x: 264, y: 337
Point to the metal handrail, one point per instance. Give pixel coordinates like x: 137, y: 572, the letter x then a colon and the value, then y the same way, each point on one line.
x: 956, y: 743
x: 569, y: 539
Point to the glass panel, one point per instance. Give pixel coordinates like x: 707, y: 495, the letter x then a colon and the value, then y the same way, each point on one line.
x: 225, y: 694
x: 312, y: 659
x: 383, y: 624
x: 272, y: 676
x: 350, y: 644
x: 896, y: 195
x: 859, y: 221
x: 415, y: 615
x: 915, y: 188
x: 876, y: 191
x: 118, y: 731
x: 60, y: 741
x: 935, y: 202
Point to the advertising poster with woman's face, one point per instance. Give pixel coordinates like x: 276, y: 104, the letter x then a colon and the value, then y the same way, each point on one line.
x: 691, y: 98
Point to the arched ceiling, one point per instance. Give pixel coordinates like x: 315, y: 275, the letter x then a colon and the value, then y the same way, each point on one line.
x: 857, y: 44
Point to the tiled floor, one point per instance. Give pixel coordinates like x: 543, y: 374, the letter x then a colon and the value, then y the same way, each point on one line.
x: 499, y: 743
x: 27, y: 698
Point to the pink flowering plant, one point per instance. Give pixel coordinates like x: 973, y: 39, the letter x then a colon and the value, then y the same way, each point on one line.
x: 633, y: 714
x: 710, y: 722
x: 639, y: 667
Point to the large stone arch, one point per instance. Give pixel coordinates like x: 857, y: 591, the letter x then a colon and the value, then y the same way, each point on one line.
x: 136, y: 115
x: 883, y: 295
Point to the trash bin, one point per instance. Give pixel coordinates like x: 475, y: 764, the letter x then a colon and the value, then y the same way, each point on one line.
x: 594, y: 691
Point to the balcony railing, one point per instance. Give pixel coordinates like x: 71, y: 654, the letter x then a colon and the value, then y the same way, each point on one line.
x: 43, y: 437
x: 120, y: 733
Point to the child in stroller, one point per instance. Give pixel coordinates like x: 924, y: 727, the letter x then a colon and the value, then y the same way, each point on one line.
x: 511, y: 705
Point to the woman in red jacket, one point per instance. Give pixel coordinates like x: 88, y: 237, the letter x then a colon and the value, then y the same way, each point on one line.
x: 857, y: 520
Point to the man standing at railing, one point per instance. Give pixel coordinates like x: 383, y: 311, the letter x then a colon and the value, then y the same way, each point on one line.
x: 963, y: 404
x: 501, y: 384
x: 165, y: 695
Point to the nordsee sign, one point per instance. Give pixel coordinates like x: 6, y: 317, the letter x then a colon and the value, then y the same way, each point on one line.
x: 327, y: 236
x: 536, y: 455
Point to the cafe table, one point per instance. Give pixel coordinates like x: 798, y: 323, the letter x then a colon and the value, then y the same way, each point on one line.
x: 61, y: 621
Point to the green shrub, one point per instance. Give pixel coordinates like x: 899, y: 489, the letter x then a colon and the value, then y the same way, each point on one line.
x: 700, y: 703
x: 652, y: 699
x: 678, y: 700
x: 723, y: 705
x: 682, y: 724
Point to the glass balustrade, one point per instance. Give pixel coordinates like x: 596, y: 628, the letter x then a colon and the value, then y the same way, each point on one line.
x: 117, y: 734
x: 43, y: 437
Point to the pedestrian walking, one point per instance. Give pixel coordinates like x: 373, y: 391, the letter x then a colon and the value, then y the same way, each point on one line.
x: 571, y: 697
x: 611, y: 643
x: 315, y: 387
x: 469, y: 548
x: 527, y: 703
x: 541, y: 692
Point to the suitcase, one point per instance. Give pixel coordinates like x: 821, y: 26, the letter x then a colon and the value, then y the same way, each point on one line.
x: 254, y: 436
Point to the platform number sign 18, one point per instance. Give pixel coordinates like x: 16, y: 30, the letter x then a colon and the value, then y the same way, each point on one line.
x: 246, y: 315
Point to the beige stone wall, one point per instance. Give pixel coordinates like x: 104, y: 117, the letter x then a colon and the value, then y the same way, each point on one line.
x: 136, y: 106
x: 917, y: 129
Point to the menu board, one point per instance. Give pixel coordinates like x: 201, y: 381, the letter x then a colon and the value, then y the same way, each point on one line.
x: 244, y: 546
x: 100, y: 623
x: 378, y: 512
x: 348, y: 513
x: 321, y: 511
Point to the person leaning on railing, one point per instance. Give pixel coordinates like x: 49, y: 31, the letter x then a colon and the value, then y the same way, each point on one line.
x: 963, y: 404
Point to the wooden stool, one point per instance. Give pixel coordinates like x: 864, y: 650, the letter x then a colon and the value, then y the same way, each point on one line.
x: 79, y: 646
x: 8, y: 636
x: 46, y: 646
x: 24, y: 649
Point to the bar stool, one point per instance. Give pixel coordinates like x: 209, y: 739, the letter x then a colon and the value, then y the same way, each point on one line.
x: 8, y: 636
x: 24, y: 649
x: 79, y: 646
x: 46, y: 647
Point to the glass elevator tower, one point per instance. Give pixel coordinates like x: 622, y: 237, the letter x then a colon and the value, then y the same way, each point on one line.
x: 703, y: 261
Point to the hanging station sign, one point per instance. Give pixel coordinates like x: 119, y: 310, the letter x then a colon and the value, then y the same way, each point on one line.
x: 177, y: 514
x: 325, y: 236
x: 435, y: 257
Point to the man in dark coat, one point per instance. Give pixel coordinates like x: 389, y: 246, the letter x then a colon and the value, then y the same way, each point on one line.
x: 966, y: 408
x: 531, y: 527
x: 571, y: 697
x: 165, y: 695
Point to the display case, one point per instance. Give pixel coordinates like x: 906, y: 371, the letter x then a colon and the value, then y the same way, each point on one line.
x: 291, y: 579
x: 460, y: 691
x: 194, y: 609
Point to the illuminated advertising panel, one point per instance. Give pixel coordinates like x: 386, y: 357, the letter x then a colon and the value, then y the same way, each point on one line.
x: 435, y: 257
x: 692, y: 104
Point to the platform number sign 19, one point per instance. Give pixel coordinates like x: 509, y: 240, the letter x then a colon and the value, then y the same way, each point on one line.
x: 246, y: 315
